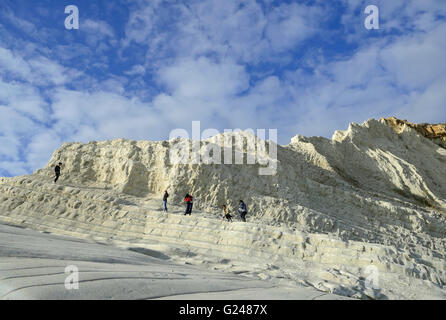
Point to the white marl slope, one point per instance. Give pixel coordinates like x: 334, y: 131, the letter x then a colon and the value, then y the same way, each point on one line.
x: 34, y: 265
x: 336, y: 209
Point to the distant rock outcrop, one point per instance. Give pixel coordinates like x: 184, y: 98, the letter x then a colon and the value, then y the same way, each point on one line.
x: 435, y: 132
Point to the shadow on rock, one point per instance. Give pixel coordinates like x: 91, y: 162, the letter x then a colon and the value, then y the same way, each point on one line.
x: 151, y: 253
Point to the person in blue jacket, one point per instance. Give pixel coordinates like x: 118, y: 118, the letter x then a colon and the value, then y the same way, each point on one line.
x: 242, y: 210
x: 165, y: 196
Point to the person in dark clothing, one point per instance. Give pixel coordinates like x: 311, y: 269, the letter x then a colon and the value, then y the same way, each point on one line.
x: 226, y: 215
x: 189, y: 202
x: 166, y: 195
x: 57, y: 171
x: 242, y: 210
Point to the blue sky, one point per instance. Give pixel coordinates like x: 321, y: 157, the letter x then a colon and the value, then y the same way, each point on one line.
x: 138, y: 69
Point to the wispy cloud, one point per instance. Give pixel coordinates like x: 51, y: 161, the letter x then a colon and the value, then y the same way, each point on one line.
x: 100, y: 28
x: 136, y: 70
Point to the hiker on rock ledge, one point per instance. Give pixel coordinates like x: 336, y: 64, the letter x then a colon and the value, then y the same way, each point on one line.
x: 226, y: 215
x: 242, y: 210
x: 57, y: 171
x: 189, y: 202
x: 165, y: 196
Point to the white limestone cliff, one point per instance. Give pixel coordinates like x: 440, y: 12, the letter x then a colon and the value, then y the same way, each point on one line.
x: 371, y: 198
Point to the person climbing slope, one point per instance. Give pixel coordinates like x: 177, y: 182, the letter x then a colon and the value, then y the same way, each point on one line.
x: 189, y: 202
x: 57, y: 171
x: 226, y: 215
x: 242, y: 210
x: 165, y: 196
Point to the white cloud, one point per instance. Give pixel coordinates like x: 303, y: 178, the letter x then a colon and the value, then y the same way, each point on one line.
x: 136, y: 70
x: 16, y: 130
x: 47, y: 71
x: 203, y: 78
x: 141, y: 21
x: 113, y: 84
x: 24, y: 99
x: 100, y: 36
x: 14, y: 168
x: 405, y: 78
x: 23, y: 114
x: 9, y: 147
x: 240, y: 30
x: 41, y: 147
x: 14, y: 63
x: 101, y: 115
x: 417, y: 60
x: 290, y: 24
x: 37, y: 70
x: 25, y: 26
x: 404, y: 16
x: 429, y: 106
x: 98, y: 27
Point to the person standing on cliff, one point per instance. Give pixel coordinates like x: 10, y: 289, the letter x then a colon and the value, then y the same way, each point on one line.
x: 166, y: 195
x: 189, y: 202
x: 57, y: 171
x: 242, y: 210
x: 226, y: 214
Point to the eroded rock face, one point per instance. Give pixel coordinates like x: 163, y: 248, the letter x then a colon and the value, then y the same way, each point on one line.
x: 370, y: 196
x: 435, y: 132
x: 367, y: 168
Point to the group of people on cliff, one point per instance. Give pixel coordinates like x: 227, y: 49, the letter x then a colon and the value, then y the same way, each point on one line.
x: 242, y: 210
x: 189, y: 200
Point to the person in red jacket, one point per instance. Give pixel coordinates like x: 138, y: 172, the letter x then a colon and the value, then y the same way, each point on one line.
x: 189, y: 202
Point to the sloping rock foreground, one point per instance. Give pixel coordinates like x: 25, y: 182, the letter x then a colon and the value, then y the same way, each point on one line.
x: 362, y: 214
x: 34, y: 265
